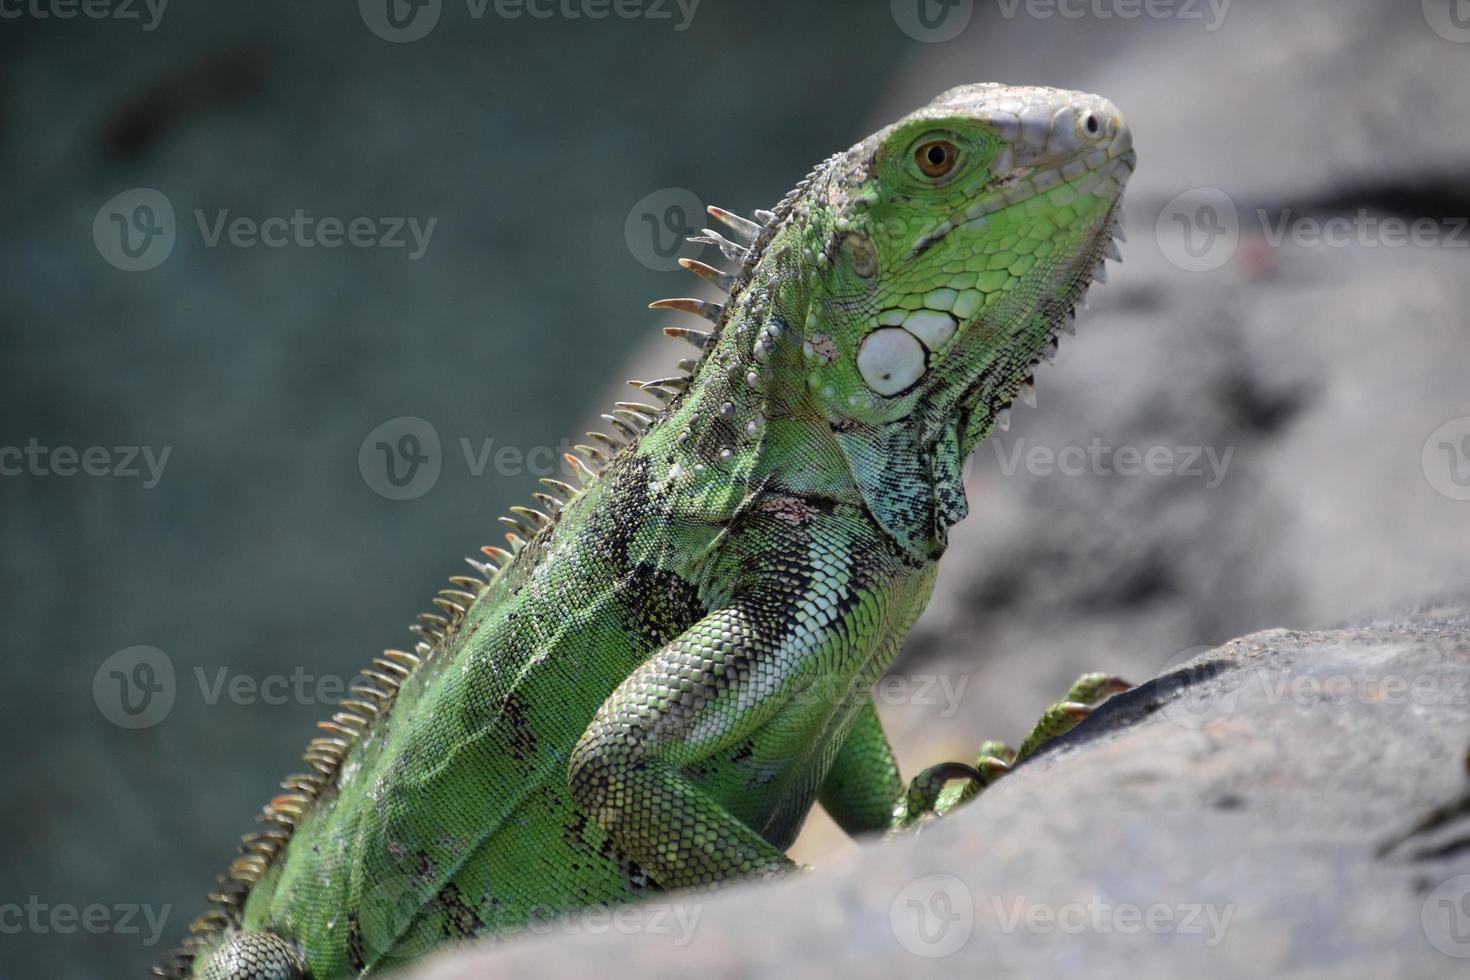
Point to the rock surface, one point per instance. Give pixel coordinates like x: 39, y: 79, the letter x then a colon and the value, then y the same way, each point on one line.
x: 1250, y: 814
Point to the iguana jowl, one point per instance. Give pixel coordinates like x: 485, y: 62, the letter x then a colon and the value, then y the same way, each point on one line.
x: 674, y: 659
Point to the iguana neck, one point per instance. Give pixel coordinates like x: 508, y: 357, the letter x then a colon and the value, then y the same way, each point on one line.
x: 745, y: 405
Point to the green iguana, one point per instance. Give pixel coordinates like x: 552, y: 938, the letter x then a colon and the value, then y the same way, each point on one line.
x: 674, y: 659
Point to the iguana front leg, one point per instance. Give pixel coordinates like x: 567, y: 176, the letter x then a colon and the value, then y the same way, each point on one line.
x: 863, y: 786
x: 864, y: 793
x: 740, y: 700
x: 715, y: 685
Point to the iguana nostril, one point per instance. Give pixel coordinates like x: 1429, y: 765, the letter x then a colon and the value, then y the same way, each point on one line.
x: 1092, y: 124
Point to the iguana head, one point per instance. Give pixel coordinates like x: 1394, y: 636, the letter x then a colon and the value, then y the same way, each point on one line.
x: 956, y: 241
x: 890, y: 308
x: 945, y: 253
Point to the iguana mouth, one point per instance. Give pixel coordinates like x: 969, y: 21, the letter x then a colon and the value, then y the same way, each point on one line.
x: 1088, y: 171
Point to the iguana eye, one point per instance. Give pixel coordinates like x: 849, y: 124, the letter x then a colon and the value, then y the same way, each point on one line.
x: 936, y: 158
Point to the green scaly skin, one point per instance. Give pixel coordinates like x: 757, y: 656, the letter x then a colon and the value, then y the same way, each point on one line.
x: 653, y: 686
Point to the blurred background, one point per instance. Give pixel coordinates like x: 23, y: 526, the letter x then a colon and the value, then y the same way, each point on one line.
x: 298, y: 298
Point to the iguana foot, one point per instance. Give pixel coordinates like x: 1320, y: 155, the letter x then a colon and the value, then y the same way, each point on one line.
x: 930, y: 794
x: 1066, y: 714
x: 253, y: 956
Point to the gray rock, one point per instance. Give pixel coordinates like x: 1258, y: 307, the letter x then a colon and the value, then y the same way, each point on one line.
x: 1267, y: 809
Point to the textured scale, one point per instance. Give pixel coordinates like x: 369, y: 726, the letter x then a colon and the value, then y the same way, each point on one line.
x: 673, y: 659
